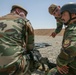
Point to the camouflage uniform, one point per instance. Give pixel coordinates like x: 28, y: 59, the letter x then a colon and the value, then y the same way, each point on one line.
x: 13, y: 34
x: 29, y: 30
x: 59, y: 25
x: 58, y: 20
x: 67, y: 55
x: 30, y: 36
x: 35, y: 58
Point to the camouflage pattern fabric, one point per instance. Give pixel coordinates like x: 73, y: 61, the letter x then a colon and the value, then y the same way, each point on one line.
x: 11, y: 51
x: 59, y: 25
x: 67, y: 55
x: 30, y: 36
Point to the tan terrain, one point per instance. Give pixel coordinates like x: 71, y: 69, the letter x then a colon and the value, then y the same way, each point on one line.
x: 42, y: 36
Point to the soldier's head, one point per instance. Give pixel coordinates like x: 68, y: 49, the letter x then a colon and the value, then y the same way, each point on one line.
x: 54, y: 10
x: 19, y: 10
x: 68, y: 12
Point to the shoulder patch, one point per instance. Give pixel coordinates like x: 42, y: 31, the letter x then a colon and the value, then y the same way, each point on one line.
x: 66, y: 42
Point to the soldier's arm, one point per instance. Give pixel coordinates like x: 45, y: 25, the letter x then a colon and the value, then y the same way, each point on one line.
x: 68, y: 51
x: 30, y: 34
x: 59, y: 27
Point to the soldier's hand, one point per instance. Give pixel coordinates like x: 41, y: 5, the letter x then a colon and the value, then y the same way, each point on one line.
x: 63, y: 70
x: 53, y: 34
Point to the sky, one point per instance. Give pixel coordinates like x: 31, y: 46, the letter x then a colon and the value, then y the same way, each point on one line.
x: 37, y: 11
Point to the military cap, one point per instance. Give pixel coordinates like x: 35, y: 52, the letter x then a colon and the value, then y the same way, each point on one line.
x: 17, y: 6
x: 52, y: 8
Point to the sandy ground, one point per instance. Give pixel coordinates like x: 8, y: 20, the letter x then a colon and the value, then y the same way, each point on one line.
x: 51, y: 51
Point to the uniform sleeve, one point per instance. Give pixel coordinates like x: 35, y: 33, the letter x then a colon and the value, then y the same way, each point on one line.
x: 30, y: 36
x: 59, y: 25
x: 68, y: 51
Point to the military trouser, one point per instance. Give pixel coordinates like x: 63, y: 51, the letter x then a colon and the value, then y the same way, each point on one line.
x: 54, y: 71
x: 20, y: 67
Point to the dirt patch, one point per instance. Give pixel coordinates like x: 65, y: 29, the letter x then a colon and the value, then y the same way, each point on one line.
x: 46, y: 32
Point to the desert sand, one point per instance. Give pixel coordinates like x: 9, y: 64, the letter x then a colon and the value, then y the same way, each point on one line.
x: 51, y: 51
x: 43, y: 36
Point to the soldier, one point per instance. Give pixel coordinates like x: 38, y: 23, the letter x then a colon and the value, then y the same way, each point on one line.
x: 30, y: 31
x: 55, y: 11
x: 66, y: 60
x: 16, y: 34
